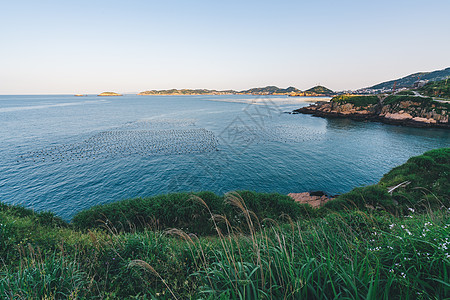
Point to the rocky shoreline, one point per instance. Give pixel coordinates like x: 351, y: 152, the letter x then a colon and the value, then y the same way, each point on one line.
x: 316, y: 199
x: 411, y: 112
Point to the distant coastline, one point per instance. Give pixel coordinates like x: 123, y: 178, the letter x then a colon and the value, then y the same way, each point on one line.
x: 317, y: 91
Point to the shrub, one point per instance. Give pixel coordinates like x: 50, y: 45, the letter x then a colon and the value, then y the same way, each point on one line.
x: 356, y: 100
x: 362, y: 198
x: 187, y: 211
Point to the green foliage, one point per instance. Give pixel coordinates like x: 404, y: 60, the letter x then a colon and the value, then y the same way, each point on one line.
x: 436, y: 89
x: 373, y: 196
x: 428, y: 174
x: 271, y: 90
x: 50, y: 278
x: 44, y: 218
x: 366, y: 244
x: 320, y: 90
x: 406, y: 93
x: 396, y: 99
x: 425, y: 185
x: 356, y: 100
x: 351, y: 256
x: 185, y: 211
x: 408, y: 81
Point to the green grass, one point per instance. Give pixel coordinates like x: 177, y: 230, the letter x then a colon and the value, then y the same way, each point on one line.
x: 37, y: 278
x: 406, y: 93
x: 366, y: 244
x: 436, y: 89
x: 423, y: 103
x: 419, y: 104
x: 185, y: 211
x: 395, y: 99
x: 358, y: 101
x: 354, y: 254
x: 428, y: 187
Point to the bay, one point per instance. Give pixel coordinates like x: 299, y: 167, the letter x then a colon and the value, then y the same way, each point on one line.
x: 64, y: 153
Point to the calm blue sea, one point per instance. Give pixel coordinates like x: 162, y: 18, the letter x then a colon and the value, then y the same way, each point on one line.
x: 64, y: 153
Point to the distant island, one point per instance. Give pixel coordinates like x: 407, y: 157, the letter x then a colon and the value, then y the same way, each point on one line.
x: 109, y: 94
x: 80, y: 95
x: 269, y: 90
x: 318, y: 91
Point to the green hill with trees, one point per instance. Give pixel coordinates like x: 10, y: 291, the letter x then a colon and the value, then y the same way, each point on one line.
x: 320, y: 90
x: 436, y: 89
x: 270, y: 90
x: 408, y: 81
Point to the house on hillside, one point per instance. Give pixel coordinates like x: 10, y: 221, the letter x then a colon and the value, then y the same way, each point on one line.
x: 419, y: 83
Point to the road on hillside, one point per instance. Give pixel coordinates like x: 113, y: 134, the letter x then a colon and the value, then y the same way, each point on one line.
x: 435, y: 99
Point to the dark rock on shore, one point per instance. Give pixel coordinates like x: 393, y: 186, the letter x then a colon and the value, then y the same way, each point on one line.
x: 315, y: 199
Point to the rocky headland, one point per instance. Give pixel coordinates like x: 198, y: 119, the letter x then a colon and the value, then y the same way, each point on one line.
x: 394, y: 109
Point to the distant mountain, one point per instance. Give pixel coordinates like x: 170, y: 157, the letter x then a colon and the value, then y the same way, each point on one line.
x: 270, y: 90
x: 186, y: 92
x: 408, y: 81
x: 317, y: 91
x: 320, y: 90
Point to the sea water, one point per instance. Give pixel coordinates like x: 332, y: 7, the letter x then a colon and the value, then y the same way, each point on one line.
x: 64, y: 153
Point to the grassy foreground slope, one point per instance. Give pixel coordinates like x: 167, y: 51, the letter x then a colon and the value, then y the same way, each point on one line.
x: 366, y: 244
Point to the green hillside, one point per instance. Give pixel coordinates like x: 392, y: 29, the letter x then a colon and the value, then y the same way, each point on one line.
x: 409, y: 80
x: 269, y: 90
x: 320, y: 90
x: 436, y: 89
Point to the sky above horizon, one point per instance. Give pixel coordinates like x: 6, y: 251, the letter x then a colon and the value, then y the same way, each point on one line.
x: 66, y: 47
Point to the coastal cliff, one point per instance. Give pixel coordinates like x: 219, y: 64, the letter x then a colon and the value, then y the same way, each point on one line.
x: 401, y: 110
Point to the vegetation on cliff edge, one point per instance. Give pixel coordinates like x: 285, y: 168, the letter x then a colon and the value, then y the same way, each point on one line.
x: 356, y: 100
x: 366, y: 244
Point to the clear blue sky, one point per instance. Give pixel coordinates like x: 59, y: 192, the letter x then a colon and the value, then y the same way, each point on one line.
x: 130, y: 46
